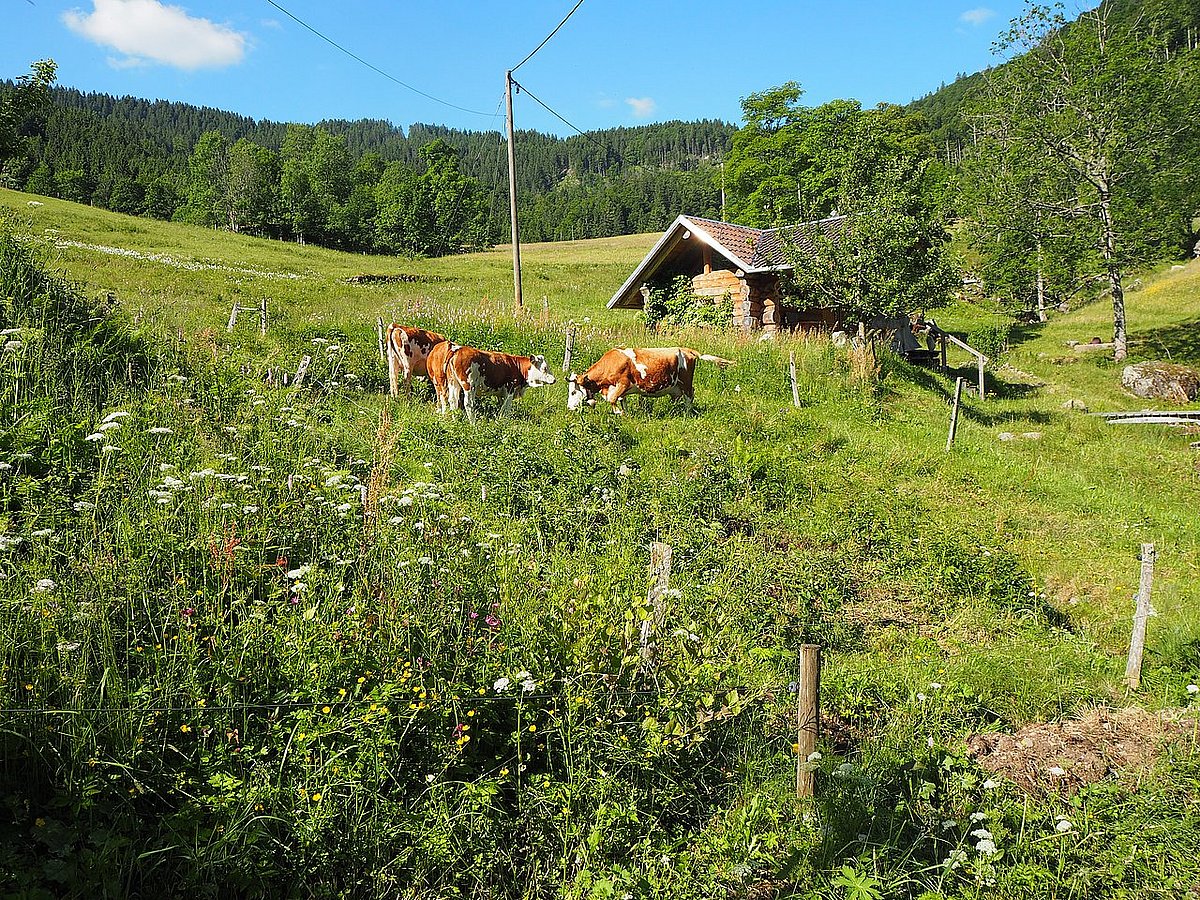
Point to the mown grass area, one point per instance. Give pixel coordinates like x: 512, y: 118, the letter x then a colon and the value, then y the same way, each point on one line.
x: 317, y: 642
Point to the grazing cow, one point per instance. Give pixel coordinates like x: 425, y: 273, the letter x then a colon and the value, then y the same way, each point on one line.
x: 407, y: 351
x: 437, y: 365
x: 471, y: 372
x: 649, y: 371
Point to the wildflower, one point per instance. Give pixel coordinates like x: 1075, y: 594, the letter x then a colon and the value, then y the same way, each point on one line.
x: 430, y: 778
x: 43, y: 532
x: 989, y: 784
x: 983, y: 834
x: 160, y: 429
x: 1063, y: 825
x: 1193, y: 688
x: 39, y: 822
x: 188, y: 613
x: 935, y: 685
x: 406, y: 500
x: 5, y: 467
x: 185, y: 728
x: 987, y: 847
x: 425, y: 561
x: 95, y: 436
x: 113, y: 416
x: 492, y: 620
x: 1056, y: 771
x: 813, y: 757
x: 920, y: 698
x: 44, y: 585
x: 109, y: 448
x: 316, y: 798
x: 108, y: 426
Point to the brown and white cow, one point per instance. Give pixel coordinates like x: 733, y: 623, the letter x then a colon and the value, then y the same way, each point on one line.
x: 471, y: 372
x: 649, y: 371
x: 407, y: 351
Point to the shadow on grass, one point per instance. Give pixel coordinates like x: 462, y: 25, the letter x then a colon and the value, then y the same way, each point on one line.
x: 974, y: 411
x: 1178, y: 343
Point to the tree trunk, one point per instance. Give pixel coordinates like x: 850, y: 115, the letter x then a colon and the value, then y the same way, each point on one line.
x: 1041, y: 286
x: 1113, y: 269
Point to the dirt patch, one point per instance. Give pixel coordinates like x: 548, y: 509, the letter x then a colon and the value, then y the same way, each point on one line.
x: 1058, y: 758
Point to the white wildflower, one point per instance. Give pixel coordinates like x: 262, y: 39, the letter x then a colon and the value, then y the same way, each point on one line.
x: 426, y: 561
x: 1056, y: 771
x: 1063, y: 825
x: 94, y: 437
x: 161, y: 429
x: 44, y: 585
x: 1193, y: 688
x: 113, y: 416
x: 989, y: 784
x: 501, y: 685
x: 987, y: 847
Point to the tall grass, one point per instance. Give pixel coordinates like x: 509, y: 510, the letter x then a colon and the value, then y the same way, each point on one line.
x: 318, y: 643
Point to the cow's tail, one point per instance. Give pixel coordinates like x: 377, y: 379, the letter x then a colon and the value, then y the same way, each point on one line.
x: 393, y: 361
x: 716, y: 360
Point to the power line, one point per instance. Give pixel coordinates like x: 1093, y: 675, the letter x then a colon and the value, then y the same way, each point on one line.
x: 547, y: 40
x: 374, y: 68
x: 574, y: 128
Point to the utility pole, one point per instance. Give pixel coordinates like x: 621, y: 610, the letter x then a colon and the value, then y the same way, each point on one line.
x: 722, y: 190
x: 512, y: 192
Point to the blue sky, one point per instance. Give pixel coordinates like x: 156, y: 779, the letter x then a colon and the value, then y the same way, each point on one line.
x: 616, y: 62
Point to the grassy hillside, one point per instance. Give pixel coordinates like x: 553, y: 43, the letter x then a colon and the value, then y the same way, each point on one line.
x: 319, y: 642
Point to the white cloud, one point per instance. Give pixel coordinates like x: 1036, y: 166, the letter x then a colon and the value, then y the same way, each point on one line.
x: 977, y: 16
x: 149, y: 31
x: 641, y: 106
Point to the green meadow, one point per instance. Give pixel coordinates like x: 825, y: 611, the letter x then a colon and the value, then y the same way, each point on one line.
x: 319, y: 642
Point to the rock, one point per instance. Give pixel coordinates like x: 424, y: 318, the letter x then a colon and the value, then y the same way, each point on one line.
x: 1178, y: 268
x: 1162, y: 381
x: 1078, y: 405
x: 1006, y: 436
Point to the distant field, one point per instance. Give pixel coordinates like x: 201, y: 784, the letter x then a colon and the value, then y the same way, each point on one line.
x: 954, y: 592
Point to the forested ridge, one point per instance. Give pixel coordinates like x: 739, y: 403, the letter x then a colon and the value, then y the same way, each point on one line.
x: 93, y: 146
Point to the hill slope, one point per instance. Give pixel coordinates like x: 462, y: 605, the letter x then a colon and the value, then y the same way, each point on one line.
x: 303, y: 663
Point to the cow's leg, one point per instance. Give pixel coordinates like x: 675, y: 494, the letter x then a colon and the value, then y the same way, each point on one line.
x: 613, y: 395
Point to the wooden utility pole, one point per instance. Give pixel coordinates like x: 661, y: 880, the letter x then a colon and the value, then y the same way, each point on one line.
x: 512, y: 192
x: 808, y: 717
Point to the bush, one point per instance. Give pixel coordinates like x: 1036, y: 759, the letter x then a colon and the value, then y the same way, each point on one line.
x: 674, y: 304
x: 991, y: 339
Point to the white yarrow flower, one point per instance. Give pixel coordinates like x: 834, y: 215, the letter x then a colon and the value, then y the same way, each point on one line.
x: 44, y: 585
x: 501, y: 685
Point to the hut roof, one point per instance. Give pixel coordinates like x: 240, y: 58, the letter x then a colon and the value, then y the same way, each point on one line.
x: 749, y: 249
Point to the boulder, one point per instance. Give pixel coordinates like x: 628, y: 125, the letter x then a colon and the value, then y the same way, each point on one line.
x: 1161, y: 381
x: 1078, y: 405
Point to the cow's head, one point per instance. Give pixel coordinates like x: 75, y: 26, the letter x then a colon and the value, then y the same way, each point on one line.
x: 577, y: 394
x: 539, y: 372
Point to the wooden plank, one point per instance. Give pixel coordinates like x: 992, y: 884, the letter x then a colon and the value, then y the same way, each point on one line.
x: 1155, y: 420
x: 1137, y: 641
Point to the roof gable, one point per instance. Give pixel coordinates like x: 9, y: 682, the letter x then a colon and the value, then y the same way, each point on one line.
x: 750, y: 249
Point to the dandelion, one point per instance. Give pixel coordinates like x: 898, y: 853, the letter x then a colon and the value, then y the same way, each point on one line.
x: 185, y: 728
x: 316, y: 798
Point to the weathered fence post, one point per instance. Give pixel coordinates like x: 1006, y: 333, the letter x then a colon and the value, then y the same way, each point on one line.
x: 301, y: 370
x: 380, y: 338
x: 1137, y: 642
x: 233, y: 314
x: 660, y: 581
x: 262, y: 317
x: 792, y: 372
x: 569, y: 349
x: 982, y: 390
x: 958, y: 386
x: 808, y: 718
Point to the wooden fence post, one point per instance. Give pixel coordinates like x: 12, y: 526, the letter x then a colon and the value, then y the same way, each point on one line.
x: 808, y: 718
x: 792, y: 372
x: 380, y: 338
x: 958, y: 386
x: 569, y: 349
x: 982, y: 390
x: 262, y: 317
x: 301, y: 370
x: 660, y: 581
x: 233, y: 314
x: 1137, y: 642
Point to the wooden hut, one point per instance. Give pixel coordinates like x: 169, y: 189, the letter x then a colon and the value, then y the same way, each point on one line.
x: 737, y: 261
